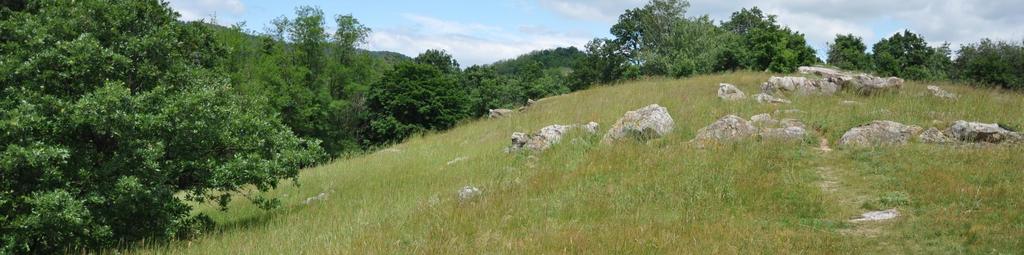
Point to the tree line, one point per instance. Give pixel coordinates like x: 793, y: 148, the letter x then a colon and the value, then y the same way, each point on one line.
x: 116, y: 116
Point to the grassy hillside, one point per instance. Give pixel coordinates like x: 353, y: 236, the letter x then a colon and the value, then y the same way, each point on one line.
x: 664, y: 196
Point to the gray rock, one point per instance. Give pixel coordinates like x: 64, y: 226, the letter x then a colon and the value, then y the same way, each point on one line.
x: 799, y: 85
x: 975, y: 132
x: 794, y: 133
x: 319, y: 197
x: 769, y: 99
x: 869, y: 85
x: 879, y: 133
x: 730, y: 92
x: 457, y: 160
x: 763, y: 120
x: 728, y: 128
x: 822, y: 71
x: 941, y: 93
x: 499, y: 113
x: 542, y: 140
x: 645, y: 123
x: 933, y: 135
x: 468, y: 193
x: 851, y: 103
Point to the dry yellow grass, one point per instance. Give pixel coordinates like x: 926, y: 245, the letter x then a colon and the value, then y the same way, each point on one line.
x: 663, y: 196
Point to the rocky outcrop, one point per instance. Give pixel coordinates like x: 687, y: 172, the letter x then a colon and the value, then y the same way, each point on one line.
x: 730, y: 92
x: 546, y: 137
x: 769, y: 99
x: 499, y: 113
x: 934, y: 135
x: 645, y: 123
x: 728, y: 128
x: 941, y: 93
x: 799, y: 86
x: 974, y: 132
x: 859, y: 82
x: 870, y: 85
x: 879, y: 133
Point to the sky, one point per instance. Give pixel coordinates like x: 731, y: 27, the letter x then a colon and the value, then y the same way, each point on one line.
x: 482, y: 32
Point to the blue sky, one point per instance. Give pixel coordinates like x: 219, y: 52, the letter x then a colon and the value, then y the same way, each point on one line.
x: 481, y: 32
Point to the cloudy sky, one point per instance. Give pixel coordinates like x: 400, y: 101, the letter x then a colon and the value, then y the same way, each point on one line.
x: 481, y: 32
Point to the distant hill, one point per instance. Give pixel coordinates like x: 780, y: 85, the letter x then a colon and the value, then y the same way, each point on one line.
x: 548, y: 59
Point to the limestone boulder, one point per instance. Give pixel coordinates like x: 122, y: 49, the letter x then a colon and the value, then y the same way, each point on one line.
x: 652, y: 121
x: 799, y: 86
x: 975, y: 132
x: 728, y: 128
x: 879, y: 133
x: 730, y: 92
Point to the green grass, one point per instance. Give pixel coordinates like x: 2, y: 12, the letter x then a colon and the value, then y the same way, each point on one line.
x: 663, y: 196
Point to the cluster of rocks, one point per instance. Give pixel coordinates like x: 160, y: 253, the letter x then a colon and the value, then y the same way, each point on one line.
x: 734, y: 128
x: 884, y: 133
x: 546, y: 137
x: 860, y: 82
x: 501, y: 113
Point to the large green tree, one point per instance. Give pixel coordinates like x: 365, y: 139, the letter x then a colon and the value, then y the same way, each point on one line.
x: 112, y: 116
x: 849, y: 52
x: 418, y: 96
x: 992, y: 63
x: 908, y: 55
x: 765, y: 45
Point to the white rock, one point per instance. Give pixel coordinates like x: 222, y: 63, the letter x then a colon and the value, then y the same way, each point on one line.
x: 320, y: 197
x: 941, y: 93
x: 769, y: 99
x: 879, y: 133
x: 592, y: 127
x: 730, y: 92
x: 499, y: 113
x: 645, y: 123
x: 468, y: 193
x: 457, y: 160
x: 877, y: 216
x: 869, y: 85
x: 794, y: 133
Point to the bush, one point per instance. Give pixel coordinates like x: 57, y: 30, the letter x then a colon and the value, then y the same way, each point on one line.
x: 849, y: 52
x: 112, y: 117
x: 992, y: 63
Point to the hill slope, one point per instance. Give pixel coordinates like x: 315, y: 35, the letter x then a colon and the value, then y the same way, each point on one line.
x: 664, y: 196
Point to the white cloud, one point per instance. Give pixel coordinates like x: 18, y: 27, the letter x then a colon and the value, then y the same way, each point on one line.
x: 469, y: 43
x: 229, y: 10
x: 954, y: 21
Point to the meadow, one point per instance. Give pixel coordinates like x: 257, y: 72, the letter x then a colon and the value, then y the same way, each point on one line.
x: 661, y: 196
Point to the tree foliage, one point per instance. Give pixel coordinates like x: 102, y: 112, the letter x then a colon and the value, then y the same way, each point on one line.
x: 849, y: 52
x: 908, y: 55
x: 992, y: 63
x: 113, y: 113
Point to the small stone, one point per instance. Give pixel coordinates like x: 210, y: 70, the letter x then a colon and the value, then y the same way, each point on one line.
x: 941, y: 93
x: 769, y: 99
x: 592, y: 127
x: 794, y: 133
x: 468, y: 193
x: 499, y: 113
x: 457, y: 160
x: 877, y: 216
x: 320, y: 197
